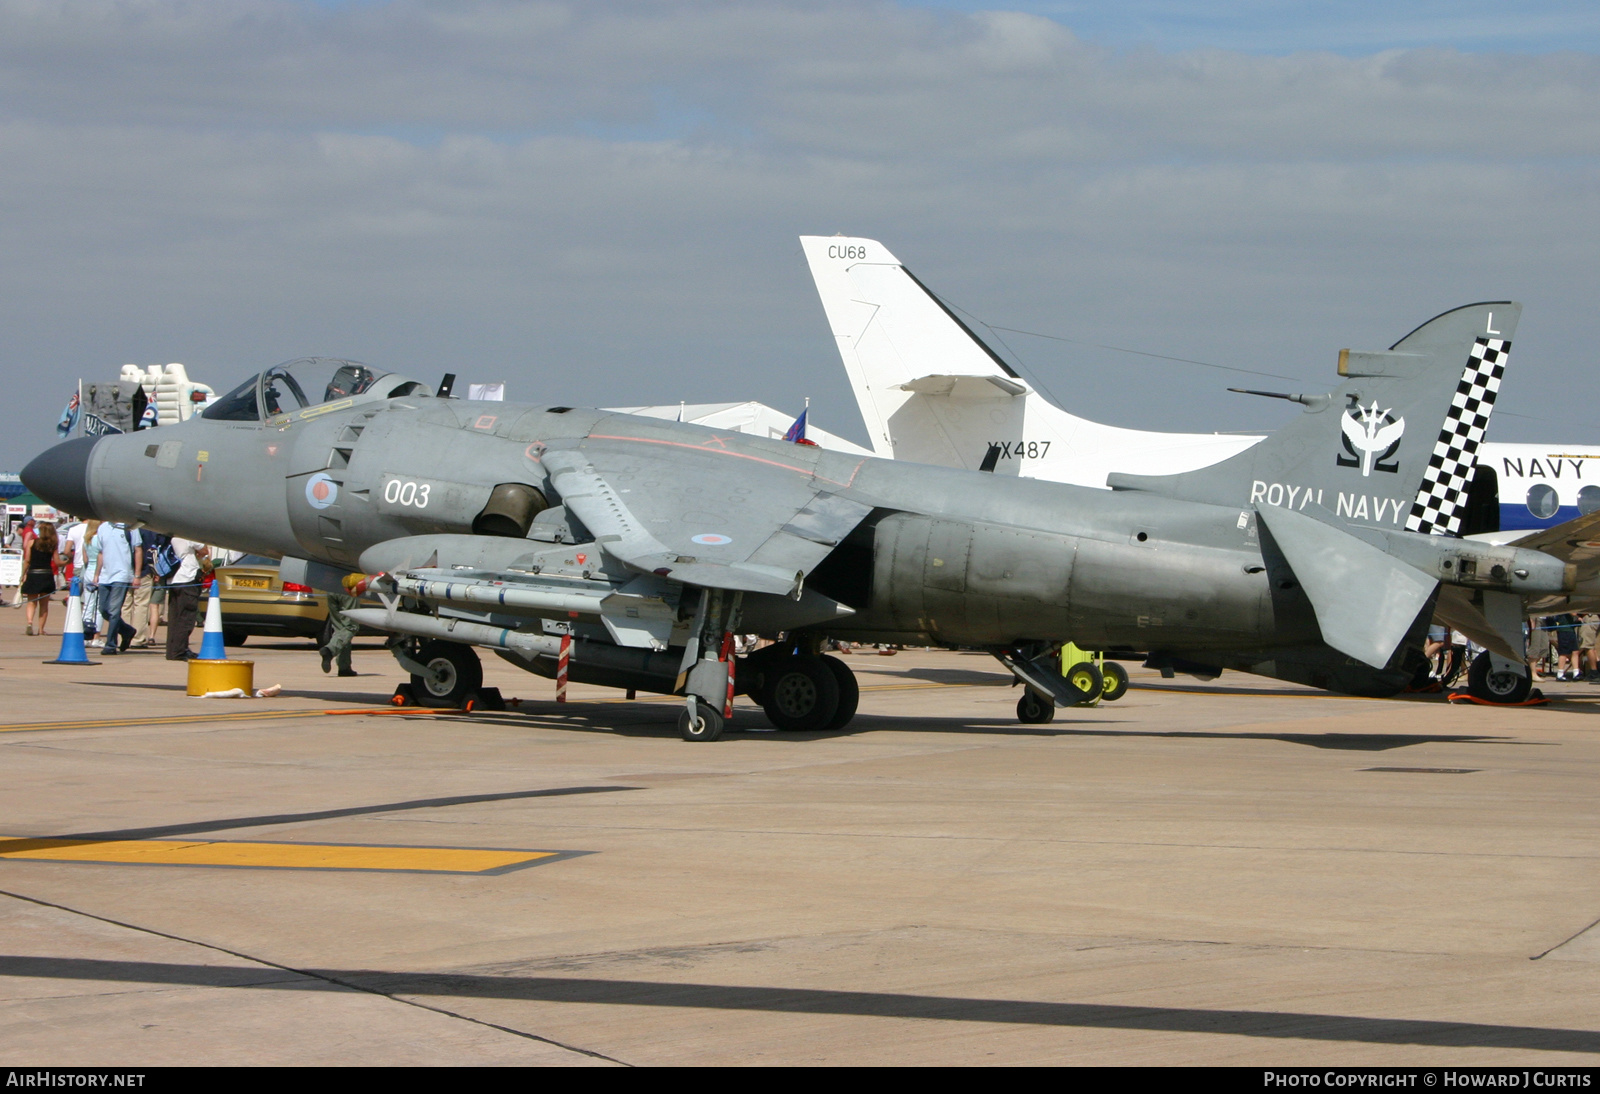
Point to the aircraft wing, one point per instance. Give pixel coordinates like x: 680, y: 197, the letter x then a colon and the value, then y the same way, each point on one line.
x: 1577, y: 541
x: 717, y: 515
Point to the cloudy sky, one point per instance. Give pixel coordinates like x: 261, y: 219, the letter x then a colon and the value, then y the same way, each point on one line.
x: 598, y: 202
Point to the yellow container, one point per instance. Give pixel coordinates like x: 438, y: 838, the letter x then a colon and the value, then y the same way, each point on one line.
x: 208, y: 676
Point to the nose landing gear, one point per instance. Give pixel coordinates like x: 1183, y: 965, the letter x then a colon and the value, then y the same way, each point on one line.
x: 451, y: 672
x: 1503, y: 684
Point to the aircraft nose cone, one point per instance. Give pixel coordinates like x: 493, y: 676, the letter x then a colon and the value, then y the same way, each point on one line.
x: 60, y: 476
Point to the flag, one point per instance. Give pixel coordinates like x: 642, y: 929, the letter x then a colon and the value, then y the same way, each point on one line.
x: 69, y: 417
x: 797, y: 432
x: 147, y: 420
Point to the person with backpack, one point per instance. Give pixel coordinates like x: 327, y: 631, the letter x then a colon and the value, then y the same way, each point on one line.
x: 146, y: 613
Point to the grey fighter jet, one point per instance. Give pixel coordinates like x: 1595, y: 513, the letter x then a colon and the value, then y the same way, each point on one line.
x: 627, y: 551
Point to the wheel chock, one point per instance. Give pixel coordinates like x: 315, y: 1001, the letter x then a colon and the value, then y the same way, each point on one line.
x: 488, y: 699
x: 403, y: 697
x: 1536, y: 698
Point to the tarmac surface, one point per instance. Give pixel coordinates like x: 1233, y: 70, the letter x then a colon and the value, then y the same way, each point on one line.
x: 1235, y: 872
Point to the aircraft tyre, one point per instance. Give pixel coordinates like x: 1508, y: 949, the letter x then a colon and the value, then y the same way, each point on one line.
x: 706, y: 725
x: 849, y: 692
x: 1483, y: 682
x: 454, y: 672
x: 1086, y: 679
x: 1115, y: 685
x: 801, y: 695
x: 1034, y: 709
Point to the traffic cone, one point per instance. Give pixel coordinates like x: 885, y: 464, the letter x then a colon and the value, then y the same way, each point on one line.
x: 212, y: 647
x: 72, y: 651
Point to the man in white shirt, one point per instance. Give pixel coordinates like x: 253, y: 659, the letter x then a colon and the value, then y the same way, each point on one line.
x: 183, y: 596
x: 73, y: 541
x: 118, y: 567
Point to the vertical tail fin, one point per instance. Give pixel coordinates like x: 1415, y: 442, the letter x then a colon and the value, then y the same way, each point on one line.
x: 930, y: 391
x: 1393, y: 446
x: 899, y: 342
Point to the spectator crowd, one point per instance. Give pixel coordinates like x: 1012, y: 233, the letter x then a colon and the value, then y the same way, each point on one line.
x: 131, y: 581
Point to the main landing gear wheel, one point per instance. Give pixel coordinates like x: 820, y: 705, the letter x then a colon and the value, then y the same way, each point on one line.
x: 801, y: 695
x: 706, y: 725
x: 1086, y: 680
x: 454, y: 672
x: 1033, y: 709
x: 1115, y: 685
x: 849, y: 692
x: 1486, y: 683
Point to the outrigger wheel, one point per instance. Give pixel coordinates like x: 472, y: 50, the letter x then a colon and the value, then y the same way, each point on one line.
x: 454, y: 672
x: 706, y: 724
x: 1497, y: 686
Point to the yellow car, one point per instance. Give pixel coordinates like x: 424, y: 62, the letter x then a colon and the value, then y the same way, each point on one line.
x: 255, y: 601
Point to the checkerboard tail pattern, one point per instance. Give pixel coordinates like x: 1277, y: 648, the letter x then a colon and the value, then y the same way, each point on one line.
x: 1440, y: 500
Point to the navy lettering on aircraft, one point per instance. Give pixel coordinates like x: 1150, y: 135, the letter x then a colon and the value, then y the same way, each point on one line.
x: 1355, y: 507
x: 1548, y: 468
x: 1019, y: 450
x: 1368, y: 507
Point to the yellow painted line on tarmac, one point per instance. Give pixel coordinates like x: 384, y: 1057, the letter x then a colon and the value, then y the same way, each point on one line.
x: 280, y: 856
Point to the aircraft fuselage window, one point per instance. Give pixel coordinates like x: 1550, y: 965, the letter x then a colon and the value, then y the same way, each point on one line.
x: 1542, y: 500
x: 1588, y: 499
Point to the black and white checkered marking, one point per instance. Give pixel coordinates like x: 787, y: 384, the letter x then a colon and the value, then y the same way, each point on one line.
x: 1440, y: 500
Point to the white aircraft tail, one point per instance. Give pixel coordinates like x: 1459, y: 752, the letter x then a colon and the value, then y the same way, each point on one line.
x: 931, y: 391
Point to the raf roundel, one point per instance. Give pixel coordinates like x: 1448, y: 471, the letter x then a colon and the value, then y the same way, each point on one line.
x: 711, y: 539
x: 321, y: 491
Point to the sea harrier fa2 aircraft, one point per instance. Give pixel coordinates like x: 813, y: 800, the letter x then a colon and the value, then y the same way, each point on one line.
x: 632, y: 549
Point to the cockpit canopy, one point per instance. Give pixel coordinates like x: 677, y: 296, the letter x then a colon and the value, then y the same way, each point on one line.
x: 299, y: 385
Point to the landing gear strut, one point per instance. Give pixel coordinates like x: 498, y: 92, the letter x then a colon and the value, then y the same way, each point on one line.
x: 1038, y: 667
x: 708, y: 667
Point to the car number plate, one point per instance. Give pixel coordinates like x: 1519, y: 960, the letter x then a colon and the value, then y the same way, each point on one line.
x: 252, y: 583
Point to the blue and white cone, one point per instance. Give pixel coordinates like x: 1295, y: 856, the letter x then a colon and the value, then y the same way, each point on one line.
x: 212, y: 647
x: 72, y: 651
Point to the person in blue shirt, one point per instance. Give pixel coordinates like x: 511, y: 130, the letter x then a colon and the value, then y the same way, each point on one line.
x: 120, y: 565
